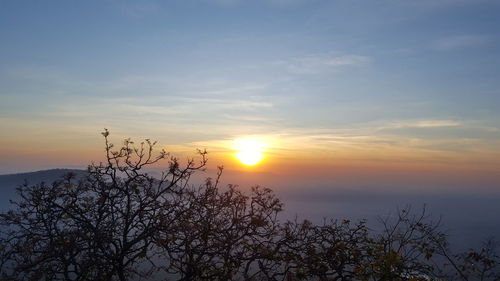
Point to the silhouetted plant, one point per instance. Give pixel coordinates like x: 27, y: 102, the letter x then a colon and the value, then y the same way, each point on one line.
x: 120, y: 223
x: 96, y: 228
x: 221, y: 234
x: 337, y: 250
x: 404, y: 249
x: 473, y: 264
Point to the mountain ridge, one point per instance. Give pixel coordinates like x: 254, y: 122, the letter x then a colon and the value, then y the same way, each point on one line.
x: 10, y: 182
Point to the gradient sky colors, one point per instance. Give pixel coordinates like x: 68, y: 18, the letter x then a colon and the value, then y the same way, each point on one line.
x: 386, y: 91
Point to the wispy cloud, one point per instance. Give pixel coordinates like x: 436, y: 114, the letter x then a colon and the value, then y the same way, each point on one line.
x: 385, y: 140
x: 225, y: 103
x: 233, y: 90
x: 321, y: 62
x: 346, y: 60
x: 424, y: 124
x: 171, y: 107
x: 196, y: 85
x: 459, y: 42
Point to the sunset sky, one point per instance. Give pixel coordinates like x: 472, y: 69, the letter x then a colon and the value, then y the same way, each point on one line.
x: 381, y: 92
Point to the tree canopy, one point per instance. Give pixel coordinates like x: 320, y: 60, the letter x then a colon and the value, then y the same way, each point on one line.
x: 120, y: 223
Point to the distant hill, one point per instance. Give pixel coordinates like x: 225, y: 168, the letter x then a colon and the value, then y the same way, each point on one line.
x: 9, y: 182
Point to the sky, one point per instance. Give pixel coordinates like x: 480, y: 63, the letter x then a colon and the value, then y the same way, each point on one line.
x: 390, y: 94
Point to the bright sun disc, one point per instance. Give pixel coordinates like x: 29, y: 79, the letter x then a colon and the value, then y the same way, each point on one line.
x: 250, y: 151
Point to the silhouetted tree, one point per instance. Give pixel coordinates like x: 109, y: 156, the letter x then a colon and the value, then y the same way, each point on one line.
x: 120, y: 223
x: 334, y: 250
x: 97, y: 228
x: 221, y: 234
x: 473, y: 264
x: 482, y: 264
x: 404, y: 249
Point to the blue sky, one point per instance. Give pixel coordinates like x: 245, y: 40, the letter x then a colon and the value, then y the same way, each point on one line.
x: 366, y: 80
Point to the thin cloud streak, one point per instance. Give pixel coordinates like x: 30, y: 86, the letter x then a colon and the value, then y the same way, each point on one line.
x: 313, y: 64
x: 424, y: 124
x: 460, y: 42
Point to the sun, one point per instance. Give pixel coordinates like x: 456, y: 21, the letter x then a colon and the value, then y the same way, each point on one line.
x: 250, y: 151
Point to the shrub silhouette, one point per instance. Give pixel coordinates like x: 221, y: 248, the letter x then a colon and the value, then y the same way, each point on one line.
x: 120, y: 223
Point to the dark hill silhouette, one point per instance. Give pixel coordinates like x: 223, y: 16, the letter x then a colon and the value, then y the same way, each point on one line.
x: 9, y: 182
